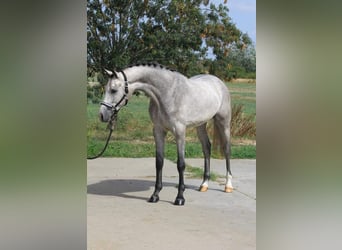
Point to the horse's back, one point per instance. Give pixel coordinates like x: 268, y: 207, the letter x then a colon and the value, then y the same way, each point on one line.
x: 211, y: 81
x: 200, y: 99
x: 207, y: 78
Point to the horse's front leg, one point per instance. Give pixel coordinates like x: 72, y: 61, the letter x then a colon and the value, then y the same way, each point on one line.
x: 180, y: 138
x: 159, y: 137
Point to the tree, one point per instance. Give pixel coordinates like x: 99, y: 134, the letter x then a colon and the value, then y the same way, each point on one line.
x: 176, y: 33
x: 113, y: 32
x: 223, y: 37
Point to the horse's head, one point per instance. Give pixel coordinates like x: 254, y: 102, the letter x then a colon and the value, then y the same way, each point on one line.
x: 115, y: 96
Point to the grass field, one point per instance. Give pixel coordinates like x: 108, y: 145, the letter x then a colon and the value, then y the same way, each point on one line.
x: 133, y: 134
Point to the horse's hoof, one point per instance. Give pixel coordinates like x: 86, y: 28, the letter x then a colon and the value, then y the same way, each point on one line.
x: 179, y: 202
x: 154, y: 199
x: 228, y: 189
x: 203, y: 188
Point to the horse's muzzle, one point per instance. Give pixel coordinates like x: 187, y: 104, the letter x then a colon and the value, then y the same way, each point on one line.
x: 104, y: 114
x: 101, y: 117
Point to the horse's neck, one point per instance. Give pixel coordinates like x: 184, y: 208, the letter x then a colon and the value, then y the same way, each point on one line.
x: 136, y: 74
x: 161, y: 79
x: 157, y: 83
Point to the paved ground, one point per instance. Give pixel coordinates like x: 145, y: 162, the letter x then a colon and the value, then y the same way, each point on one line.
x: 120, y: 218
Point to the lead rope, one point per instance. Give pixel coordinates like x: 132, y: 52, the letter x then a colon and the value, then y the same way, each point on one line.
x: 111, y: 128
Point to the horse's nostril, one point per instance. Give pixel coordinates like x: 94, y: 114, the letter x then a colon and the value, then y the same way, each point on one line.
x: 101, y: 117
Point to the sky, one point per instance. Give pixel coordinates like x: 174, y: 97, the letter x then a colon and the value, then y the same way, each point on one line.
x: 243, y: 14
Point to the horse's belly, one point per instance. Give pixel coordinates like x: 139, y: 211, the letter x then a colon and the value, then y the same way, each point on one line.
x: 198, y: 115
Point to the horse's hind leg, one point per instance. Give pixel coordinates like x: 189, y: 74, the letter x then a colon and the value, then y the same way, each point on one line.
x: 159, y: 137
x: 206, y: 148
x: 223, y: 126
x: 180, y: 140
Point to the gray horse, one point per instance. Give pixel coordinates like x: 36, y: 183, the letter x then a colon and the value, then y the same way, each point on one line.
x: 176, y: 102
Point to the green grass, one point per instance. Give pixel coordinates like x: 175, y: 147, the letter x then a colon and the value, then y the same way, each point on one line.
x: 117, y: 148
x: 245, y: 94
x: 133, y: 135
x: 197, y: 173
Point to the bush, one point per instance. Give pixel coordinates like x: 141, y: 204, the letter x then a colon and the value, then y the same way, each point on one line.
x: 94, y: 94
x: 242, y: 125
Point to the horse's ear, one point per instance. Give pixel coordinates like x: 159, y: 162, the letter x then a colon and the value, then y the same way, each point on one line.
x: 110, y: 73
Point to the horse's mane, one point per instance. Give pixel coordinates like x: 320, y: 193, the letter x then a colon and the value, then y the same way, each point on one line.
x: 151, y: 64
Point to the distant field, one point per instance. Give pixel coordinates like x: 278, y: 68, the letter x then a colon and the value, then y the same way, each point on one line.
x: 244, y: 93
x: 133, y: 136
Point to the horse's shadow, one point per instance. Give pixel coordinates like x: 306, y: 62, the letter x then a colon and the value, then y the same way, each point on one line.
x: 128, y: 188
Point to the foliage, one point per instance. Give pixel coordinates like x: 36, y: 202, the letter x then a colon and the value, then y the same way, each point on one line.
x: 95, y: 88
x: 221, y: 33
x: 242, y: 61
x: 125, y: 32
x: 175, y: 33
x: 238, y: 63
x: 95, y: 93
x: 242, y: 125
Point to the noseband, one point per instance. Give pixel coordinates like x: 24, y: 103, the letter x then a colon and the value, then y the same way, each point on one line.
x: 115, y: 108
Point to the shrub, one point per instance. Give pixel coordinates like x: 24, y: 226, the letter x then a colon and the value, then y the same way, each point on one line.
x: 242, y: 125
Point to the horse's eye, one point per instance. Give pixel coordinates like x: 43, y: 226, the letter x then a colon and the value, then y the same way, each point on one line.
x: 113, y: 91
